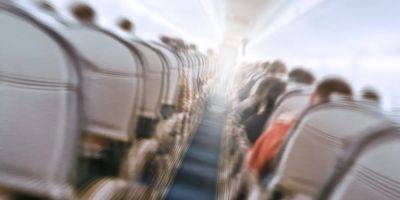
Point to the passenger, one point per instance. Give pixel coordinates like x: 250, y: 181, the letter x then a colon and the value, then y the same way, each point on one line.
x: 256, y: 109
x: 370, y: 95
x: 244, y: 91
x: 166, y: 40
x: 260, y: 157
x: 46, y: 6
x: 266, y: 72
x: 242, y: 72
x: 299, y: 75
x: 83, y: 12
x: 126, y: 25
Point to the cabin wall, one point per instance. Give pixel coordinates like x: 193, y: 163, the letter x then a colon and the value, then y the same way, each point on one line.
x: 356, y: 39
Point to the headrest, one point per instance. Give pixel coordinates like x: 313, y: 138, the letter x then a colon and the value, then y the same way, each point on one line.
x: 337, y: 97
x: 45, y: 5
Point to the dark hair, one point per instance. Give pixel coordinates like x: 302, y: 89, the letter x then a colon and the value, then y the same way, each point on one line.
x: 83, y: 12
x: 300, y: 75
x: 46, y: 6
x: 125, y: 24
x: 277, y: 67
x: 370, y: 94
x: 332, y: 85
x: 165, y: 39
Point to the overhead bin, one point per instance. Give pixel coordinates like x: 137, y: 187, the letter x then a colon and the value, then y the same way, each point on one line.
x: 40, y: 106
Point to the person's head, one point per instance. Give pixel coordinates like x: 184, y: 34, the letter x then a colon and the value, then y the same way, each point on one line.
x: 300, y: 75
x: 276, y: 67
x: 328, y: 87
x: 125, y: 24
x: 165, y: 39
x: 83, y: 12
x: 370, y: 95
x: 45, y: 5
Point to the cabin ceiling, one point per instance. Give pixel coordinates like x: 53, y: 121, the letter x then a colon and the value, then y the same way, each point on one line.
x: 206, y: 22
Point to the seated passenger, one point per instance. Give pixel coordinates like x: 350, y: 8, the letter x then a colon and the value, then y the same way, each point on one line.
x: 299, y: 77
x: 258, y: 107
x: 264, y: 86
x: 370, y: 96
x: 260, y: 157
x: 242, y: 73
x: 255, y: 72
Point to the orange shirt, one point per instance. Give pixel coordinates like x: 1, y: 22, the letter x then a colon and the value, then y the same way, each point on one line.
x: 267, y: 146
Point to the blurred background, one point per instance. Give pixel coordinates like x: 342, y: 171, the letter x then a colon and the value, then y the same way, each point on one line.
x: 356, y: 39
x: 142, y: 78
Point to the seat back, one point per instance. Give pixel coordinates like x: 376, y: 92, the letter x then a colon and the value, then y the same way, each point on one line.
x: 173, y: 66
x: 194, y: 69
x: 111, y: 81
x: 39, y: 107
x: 312, y: 149
x: 188, y: 70
x: 375, y: 173
x: 165, y: 70
x: 154, y: 80
x: 293, y: 101
x: 199, y: 69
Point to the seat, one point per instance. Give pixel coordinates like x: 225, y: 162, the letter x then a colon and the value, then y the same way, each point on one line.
x: 185, y: 100
x: 111, y: 81
x: 195, y: 70
x: 369, y: 168
x: 112, y: 93
x: 292, y: 101
x: 112, y: 78
x: 155, y: 80
x: 189, y: 72
x: 200, y: 72
x: 174, y: 83
x: 154, y: 70
x: 108, y: 189
x: 40, y: 107
x: 165, y: 71
x: 312, y: 149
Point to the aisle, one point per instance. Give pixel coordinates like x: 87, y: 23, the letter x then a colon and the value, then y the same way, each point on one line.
x: 197, y: 176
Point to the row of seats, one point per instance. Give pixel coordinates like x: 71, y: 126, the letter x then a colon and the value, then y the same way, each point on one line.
x: 344, y: 149
x: 89, y: 111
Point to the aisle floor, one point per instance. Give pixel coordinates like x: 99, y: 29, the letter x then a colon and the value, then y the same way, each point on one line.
x: 198, y: 174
